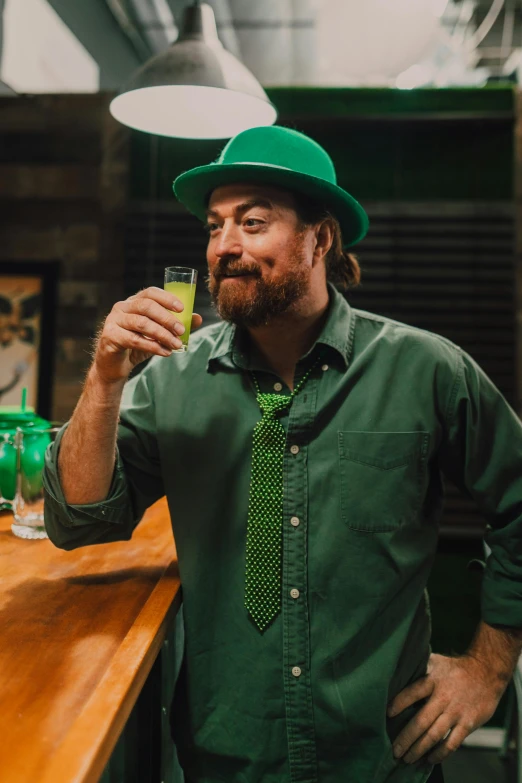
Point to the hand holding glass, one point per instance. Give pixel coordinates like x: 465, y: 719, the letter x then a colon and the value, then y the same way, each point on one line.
x: 181, y: 282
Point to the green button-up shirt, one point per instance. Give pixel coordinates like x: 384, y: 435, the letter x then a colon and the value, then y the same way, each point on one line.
x: 386, y: 412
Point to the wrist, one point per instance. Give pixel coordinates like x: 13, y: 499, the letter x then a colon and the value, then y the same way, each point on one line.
x: 496, y: 652
x: 492, y: 667
x: 105, y: 389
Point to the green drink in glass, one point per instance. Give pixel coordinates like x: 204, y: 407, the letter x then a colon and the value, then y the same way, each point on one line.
x: 181, y: 282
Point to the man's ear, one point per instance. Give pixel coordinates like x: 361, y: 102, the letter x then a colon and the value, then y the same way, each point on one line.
x: 324, y: 235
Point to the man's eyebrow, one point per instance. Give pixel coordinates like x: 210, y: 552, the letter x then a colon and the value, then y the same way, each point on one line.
x: 245, y: 206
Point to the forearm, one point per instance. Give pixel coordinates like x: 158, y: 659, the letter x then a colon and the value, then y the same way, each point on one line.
x: 88, y: 448
x: 498, y: 648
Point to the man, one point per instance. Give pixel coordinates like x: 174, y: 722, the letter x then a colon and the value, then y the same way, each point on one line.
x: 301, y: 445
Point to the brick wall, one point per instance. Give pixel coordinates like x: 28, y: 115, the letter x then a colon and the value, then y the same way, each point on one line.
x: 63, y: 195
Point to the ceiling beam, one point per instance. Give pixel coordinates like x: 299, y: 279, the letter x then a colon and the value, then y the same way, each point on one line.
x: 98, y: 31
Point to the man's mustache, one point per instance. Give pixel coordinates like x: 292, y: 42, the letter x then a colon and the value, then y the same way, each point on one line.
x: 227, y: 269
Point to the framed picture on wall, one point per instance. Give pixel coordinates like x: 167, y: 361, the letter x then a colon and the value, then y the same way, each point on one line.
x: 28, y: 297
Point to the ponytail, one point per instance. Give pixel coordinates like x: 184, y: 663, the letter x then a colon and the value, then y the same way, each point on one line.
x: 342, y: 267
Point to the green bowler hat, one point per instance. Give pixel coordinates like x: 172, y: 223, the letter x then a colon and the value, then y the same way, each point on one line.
x: 273, y: 155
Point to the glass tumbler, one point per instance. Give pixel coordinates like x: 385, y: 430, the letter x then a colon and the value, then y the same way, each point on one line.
x: 28, y: 504
x: 7, y: 469
x: 181, y: 281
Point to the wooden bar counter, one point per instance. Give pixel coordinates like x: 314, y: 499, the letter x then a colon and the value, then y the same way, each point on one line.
x: 79, y: 633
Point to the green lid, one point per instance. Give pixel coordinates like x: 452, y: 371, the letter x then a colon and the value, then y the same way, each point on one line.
x: 15, y: 411
x: 12, y: 416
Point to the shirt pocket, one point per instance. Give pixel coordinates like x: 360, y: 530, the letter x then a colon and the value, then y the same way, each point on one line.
x: 381, y: 477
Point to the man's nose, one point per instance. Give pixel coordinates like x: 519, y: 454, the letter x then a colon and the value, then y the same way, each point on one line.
x: 228, y: 242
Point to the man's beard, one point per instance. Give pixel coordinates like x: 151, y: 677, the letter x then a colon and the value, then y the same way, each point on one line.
x: 259, y: 301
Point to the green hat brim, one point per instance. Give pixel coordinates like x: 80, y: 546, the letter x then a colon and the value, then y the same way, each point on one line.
x: 193, y: 189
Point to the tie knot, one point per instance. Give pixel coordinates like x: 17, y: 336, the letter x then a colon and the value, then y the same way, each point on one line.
x: 271, y: 404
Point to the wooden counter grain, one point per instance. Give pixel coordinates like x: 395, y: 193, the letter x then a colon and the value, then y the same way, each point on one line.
x: 79, y: 632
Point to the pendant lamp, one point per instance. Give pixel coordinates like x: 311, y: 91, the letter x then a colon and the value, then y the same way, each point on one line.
x: 195, y: 89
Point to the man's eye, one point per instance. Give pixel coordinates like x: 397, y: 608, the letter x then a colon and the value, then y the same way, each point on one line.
x: 251, y: 222
x: 210, y: 227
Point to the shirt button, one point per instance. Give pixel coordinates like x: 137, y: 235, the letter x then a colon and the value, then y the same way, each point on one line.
x: 296, y: 671
x: 294, y: 593
x: 295, y: 521
x: 324, y: 367
x: 294, y: 449
x: 278, y: 386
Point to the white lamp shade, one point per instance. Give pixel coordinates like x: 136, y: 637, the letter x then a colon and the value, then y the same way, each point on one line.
x: 195, y: 89
x: 191, y: 111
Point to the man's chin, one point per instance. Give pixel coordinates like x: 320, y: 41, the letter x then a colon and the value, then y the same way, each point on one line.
x: 252, y: 302
x: 236, y: 308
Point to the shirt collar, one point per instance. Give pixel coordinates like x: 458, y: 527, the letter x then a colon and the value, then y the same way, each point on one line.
x: 338, y: 330
x: 224, y: 344
x: 337, y: 333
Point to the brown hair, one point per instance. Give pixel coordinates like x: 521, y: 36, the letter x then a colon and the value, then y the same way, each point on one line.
x: 342, y: 267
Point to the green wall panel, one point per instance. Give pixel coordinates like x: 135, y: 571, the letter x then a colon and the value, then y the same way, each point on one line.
x: 387, y: 145
x: 350, y: 102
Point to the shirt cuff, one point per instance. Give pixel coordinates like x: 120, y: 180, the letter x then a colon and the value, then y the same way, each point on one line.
x: 115, y: 508
x: 501, y: 600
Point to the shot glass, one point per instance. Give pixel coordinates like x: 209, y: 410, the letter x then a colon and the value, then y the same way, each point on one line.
x: 181, y: 281
x: 28, y: 503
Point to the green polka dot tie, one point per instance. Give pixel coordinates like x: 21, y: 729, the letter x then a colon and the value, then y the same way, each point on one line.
x: 265, y: 509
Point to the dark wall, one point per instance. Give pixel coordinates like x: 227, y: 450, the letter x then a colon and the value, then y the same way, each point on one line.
x: 387, y: 145
x: 433, y: 168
